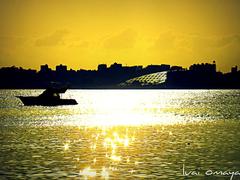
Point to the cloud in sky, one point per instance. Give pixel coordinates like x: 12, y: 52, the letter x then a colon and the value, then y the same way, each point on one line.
x: 124, y: 40
x: 170, y: 41
x: 136, y: 31
x: 79, y: 44
x: 127, y: 45
x: 180, y: 48
x: 55, y: 39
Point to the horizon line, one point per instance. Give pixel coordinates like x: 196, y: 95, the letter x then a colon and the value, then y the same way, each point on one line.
x: 108, y: 65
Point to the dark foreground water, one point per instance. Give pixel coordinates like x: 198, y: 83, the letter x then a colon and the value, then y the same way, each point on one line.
x: 122, y: 134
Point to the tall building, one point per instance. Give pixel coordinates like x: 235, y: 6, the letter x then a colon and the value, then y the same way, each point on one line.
x: 234, y: 69
x: 61, y: 68
x: 45, y: 69
x: 116, y: 66
x: 102, y: 67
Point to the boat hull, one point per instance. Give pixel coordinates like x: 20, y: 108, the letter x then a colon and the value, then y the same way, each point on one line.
x: 36, y: 101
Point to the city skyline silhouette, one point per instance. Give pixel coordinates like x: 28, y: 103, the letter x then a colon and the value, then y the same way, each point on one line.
x: 117, y: 76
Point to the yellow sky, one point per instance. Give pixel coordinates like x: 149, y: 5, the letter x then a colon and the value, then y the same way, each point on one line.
x: 84, y: 33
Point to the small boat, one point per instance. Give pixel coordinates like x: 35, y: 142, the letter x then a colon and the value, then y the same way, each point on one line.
x: 50, y: 97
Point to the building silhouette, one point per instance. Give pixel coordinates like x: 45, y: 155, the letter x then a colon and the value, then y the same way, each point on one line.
x: 61, y: 68
x: 201, y: 76
x: 45, y: 69
x: 234, y: 69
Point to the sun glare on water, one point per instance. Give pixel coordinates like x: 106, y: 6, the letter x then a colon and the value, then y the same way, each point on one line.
x: 112, y: 126
x: 122, y: 135
x: 124, y: 108
x: 109, y: 148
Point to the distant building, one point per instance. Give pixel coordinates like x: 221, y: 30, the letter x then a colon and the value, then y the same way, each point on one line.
x: 45, y: 69
x: 72, y: 71
x: 203, y: 67
x: 132, y: 68
x: 165, y: 67
x: 116, y: 67
x: 102, y: 68
x: 198, y: 76
x: 157, y: 68
x: 214, y: 66
x: 234, y: 69
x: 61, y: 68
x: 31, y: 71
x: 148, y: 80
x: 131, y: 71
x: 176, y: 68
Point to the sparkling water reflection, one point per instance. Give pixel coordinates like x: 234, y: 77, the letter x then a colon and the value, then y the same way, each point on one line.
x: 115, y: 134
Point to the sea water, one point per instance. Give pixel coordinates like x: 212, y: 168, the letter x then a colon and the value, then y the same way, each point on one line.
x: 122, y: 134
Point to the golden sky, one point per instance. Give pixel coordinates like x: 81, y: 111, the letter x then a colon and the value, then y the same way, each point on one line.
x: 84, y: 33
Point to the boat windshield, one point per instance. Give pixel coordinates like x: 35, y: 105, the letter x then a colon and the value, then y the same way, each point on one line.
x: 49, y: 94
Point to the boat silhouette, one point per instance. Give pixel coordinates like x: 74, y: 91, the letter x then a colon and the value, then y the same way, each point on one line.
x: 49, y: 97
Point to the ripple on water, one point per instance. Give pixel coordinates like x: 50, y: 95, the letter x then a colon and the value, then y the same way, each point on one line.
x: 151, y: 152
x: 148, y: 134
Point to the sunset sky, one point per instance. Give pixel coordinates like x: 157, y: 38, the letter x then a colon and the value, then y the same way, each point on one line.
x: 85, y: 33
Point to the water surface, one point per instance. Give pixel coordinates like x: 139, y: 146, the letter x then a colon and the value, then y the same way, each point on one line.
x: 121, y: 134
